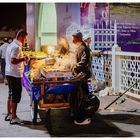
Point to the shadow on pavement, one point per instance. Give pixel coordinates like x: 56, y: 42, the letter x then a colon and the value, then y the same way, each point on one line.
x: 59, y: 124
x: 123, y: 118
x: 38, y: 126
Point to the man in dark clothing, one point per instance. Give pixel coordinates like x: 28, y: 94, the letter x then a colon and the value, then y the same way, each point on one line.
x: 81, y: 70
x: 83, y: 63
x: 87, y: 40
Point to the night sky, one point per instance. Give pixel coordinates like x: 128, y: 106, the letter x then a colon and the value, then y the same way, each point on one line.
x: 12, y: 15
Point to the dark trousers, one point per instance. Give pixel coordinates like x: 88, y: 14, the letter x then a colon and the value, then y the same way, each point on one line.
x: 15, y: 88
x: 3, y: 67
x: 79, y: 93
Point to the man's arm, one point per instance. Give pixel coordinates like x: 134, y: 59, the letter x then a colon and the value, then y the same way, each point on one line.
x: 17, y: 61
x: 94, y: 53
x: 78, y: 67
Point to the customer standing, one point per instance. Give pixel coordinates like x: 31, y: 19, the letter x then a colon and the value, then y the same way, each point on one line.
x: 2, y: 55
x: 13, y: 72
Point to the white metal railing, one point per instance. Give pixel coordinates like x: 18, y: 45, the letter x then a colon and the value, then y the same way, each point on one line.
x: 126, y: 71
x: 102, y: 68
x: 122, y: 70
x: 105, y: 36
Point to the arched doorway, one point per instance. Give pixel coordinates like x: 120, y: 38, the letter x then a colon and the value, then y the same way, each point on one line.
x: 47, y: 25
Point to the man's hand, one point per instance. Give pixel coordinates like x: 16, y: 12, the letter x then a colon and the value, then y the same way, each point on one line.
x: 73, y: 70
x: 26, y: 59
x: 100, y: 53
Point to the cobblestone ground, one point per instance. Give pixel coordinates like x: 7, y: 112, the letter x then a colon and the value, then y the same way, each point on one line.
x: 120, y: 120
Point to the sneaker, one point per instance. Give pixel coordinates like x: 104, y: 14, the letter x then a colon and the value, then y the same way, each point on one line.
x: 8, y: 117
x: 16, y: 121
x: 85, y: 122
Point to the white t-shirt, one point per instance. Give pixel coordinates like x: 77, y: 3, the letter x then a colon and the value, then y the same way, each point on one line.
x: 3, y: 49
x: 14, y: 50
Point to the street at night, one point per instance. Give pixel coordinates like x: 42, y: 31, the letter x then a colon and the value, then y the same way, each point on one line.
x: 123, y: 122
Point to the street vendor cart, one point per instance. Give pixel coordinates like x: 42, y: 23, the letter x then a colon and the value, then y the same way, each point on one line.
x: 48, y: 88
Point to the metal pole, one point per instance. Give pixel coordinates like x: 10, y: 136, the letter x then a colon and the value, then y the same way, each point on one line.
x: 121, y: 95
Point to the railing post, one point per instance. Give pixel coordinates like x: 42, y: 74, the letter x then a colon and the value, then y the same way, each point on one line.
x: 115, y: 68
x: 115, y: 32
x: 92, y: 33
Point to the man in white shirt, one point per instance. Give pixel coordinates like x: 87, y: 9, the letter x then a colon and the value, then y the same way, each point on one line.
x: 3, y: 48
x: 14, y: 70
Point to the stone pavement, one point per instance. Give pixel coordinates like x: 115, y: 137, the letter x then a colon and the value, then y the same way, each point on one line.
x: 119, y: 120
x: 8, y: 130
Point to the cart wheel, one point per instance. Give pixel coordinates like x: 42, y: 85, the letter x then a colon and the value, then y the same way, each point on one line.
x: 34, y: 111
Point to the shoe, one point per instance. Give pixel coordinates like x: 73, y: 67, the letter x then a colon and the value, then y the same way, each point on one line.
x: 16, y: 121
x: 8, y: 117
x: 85, y: 122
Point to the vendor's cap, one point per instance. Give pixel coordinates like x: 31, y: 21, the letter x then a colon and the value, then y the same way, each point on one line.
x: 77, y: 34
x: 85, y: 37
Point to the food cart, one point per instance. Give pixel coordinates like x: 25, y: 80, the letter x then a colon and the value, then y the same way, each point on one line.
x: 48, y: 87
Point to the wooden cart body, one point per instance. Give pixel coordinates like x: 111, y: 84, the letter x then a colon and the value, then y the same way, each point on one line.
x: 36, y: 91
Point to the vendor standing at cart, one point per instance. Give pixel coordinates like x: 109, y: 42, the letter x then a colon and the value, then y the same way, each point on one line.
x: 82, y: 70
x: 87, y: 40
x: 14, y: 70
